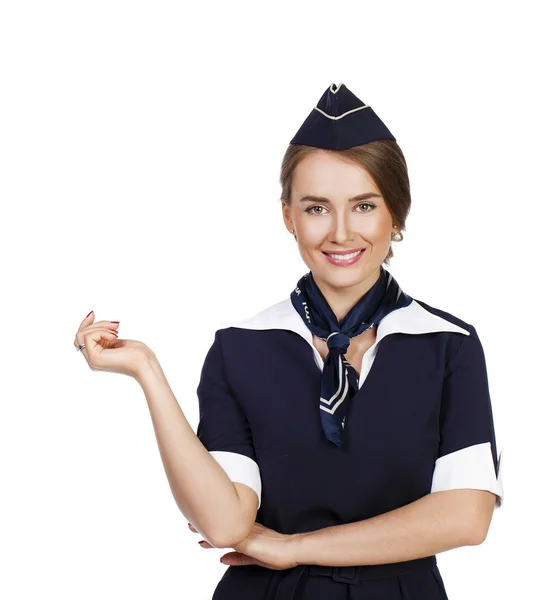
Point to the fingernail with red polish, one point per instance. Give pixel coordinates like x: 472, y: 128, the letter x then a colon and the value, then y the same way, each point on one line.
x: 89, y: 314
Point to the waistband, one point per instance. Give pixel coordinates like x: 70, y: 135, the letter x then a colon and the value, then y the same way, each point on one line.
x: 288, y: 578
x: 355, y: 574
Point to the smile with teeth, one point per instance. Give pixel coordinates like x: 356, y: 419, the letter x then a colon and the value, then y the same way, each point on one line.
x: 344, y: 256
x: 344, y: 260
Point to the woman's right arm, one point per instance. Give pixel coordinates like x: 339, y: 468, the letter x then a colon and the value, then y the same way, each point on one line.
x: 222, y: 511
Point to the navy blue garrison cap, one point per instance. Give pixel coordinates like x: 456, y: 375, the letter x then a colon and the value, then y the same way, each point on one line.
x: 339, y: 121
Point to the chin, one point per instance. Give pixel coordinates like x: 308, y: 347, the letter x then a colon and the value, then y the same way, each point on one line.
x: 341, y: 277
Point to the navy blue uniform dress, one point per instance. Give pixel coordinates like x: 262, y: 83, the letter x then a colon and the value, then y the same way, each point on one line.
x: 421, y: 422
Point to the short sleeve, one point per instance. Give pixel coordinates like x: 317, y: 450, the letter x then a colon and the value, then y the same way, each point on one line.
x: 468, y: 449
x: 223, y: 428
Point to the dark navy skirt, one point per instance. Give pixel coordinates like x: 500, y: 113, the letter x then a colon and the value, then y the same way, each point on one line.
x: 408, y: 580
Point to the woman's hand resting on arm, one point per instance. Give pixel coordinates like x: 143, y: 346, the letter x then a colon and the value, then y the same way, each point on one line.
x: 105, y: 352
x: 263, y: 546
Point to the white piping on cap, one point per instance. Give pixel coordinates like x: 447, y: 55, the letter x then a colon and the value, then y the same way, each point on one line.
x: 336, y: 90
x: 343, y: 115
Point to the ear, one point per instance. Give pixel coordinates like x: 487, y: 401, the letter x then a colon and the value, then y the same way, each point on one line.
x: 287, y: 216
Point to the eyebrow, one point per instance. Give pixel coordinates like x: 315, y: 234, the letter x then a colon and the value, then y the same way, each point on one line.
x: 365, y: 196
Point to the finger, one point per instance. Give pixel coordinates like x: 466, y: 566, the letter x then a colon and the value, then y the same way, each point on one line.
x: 87, y: 320
x: 205, y: 544
x: 92, y: 349
x: 79, y: 337
x: 108, y: 324
x: 192, y: 528
x: 237, y: 559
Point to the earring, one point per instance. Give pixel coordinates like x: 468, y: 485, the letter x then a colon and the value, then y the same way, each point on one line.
x: 292, y: 231
x: 397, y: 239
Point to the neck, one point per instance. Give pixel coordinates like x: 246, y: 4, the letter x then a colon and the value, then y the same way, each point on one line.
x: 342, y: 299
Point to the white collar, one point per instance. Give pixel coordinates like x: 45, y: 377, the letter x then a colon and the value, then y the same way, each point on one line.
x: 413, y: 319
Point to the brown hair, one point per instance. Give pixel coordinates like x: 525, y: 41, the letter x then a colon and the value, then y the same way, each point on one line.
x: 382, y: 159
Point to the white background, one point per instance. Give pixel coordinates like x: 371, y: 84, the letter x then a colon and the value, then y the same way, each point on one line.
x: 140, y: 145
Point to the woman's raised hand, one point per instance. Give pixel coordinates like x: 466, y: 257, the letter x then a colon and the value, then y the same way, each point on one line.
x: 105, y: 352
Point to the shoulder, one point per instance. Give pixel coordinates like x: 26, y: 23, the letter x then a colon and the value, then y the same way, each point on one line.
x: 439, y: 312
x: 277, y: 315
x: 459, y: 347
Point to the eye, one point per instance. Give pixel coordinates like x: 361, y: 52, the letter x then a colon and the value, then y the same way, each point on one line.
x: 315, y: 206
x: 366, y: 204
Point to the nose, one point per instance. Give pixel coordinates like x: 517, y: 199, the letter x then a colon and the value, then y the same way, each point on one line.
x: 342, y: 229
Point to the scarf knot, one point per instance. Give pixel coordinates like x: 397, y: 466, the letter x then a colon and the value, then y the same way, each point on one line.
x: 338, y: 340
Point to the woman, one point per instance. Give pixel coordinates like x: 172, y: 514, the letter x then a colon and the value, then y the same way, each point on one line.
x: 346, y: 433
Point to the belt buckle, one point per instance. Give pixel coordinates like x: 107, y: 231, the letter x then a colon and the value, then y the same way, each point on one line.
x: 346, y: 574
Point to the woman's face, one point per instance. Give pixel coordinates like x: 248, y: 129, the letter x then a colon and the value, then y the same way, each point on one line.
x: 328, y: 215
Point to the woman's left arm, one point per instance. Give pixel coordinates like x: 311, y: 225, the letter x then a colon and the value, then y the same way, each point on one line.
x: 435, y: 523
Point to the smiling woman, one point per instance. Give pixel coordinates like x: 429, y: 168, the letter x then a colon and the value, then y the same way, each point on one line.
x: 357, y: 418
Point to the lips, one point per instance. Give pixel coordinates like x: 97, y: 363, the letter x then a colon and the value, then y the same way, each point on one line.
x: 344, y: 262
x: 351, y: 251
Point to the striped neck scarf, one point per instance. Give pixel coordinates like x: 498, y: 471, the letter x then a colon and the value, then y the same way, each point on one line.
x: 339, y: 379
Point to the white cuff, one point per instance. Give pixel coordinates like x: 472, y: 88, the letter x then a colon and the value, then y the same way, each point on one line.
x: 240, y: 469
x: 470, y: 468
